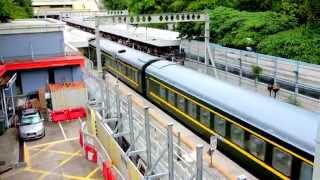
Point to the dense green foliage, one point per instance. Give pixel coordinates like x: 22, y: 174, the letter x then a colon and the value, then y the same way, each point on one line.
x: 233, y: 28
x: 302, y: 43
x: 14, y: 9
x: 286, y: 28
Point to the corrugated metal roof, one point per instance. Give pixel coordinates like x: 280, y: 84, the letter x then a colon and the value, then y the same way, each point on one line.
x: 289, y: 123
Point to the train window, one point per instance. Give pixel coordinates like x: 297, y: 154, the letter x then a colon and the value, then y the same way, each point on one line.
x: 171, y: 97
x: 281, y: 161
x: 154, y: 87
x: 163, y: 93
x: 181, y: 102
x: 205, y: 117
x: 237, y: 135
x: 257, y: 147
x: 305, y: 171
x: 123, y: 69
x: 220, y: 125
x: 135, y: 76
x: 192, y: 109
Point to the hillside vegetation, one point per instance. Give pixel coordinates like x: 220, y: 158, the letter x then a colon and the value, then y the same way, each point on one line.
x: 286, y: 28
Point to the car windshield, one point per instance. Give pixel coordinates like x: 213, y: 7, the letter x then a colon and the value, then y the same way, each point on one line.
x: 30, y: 119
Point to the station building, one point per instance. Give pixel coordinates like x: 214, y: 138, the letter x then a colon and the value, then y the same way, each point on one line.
x: 52, y: 8
x: 33, y: 54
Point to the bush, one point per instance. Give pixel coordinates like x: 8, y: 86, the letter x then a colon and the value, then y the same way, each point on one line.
x: 240, y: 29
x: 302, y: 43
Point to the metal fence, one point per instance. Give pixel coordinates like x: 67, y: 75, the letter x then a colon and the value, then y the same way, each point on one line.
x: 153, y: 149
x: 296, y: 79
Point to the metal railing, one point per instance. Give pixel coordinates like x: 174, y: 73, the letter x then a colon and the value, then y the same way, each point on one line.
x: 298, y: 80
x: 162, y: 154
x: 291, y: 72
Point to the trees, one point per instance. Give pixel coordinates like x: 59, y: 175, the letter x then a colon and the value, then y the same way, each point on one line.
x: 13, y: 9
x: 6, y: 7
x: 286, y: 28
x: 301, y: 43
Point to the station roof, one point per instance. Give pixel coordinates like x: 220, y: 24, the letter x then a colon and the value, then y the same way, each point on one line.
x: 76, y: 37
x: 31, y: 26
x: 151, y: 36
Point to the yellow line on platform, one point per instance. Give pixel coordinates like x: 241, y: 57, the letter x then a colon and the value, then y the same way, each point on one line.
x: 53, y: 142
x: 45, y: 173
x: 68, y: 159
x: 41, y: 150
x: 62, y: 131
x: 92, y: 172
x: 58, y: 152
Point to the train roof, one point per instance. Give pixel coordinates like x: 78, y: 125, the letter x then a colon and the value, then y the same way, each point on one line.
x: 131, y: 56
x: 289, y: 123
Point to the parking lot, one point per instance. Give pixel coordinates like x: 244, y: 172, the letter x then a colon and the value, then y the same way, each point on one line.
x: 58, y: 155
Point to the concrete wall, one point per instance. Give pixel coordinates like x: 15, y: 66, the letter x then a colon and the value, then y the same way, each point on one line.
x: 31, y: 81
x: 21, y: 46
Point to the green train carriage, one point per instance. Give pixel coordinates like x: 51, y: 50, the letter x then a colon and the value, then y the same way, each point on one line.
x: 257, y: 132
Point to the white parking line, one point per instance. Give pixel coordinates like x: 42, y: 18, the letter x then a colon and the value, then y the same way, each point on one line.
x: 62, y: 130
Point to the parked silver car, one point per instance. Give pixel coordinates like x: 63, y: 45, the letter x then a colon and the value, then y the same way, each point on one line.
x: 31, y: 125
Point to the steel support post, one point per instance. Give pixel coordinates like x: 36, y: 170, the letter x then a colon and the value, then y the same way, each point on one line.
x: 5, y: 109
x: 179, y: 145
x: 240, y: 68
x: 108, y: 96
x: 147, y: 137
x: 12, y: 101
x: 296, y: 83
x: 199, y: 150
x: 170, y: 152
x: 118, y: 110
x: 130, y: 116
x: 98, y: 48
x: 206, y: 41
x: 316, y: 166
x: 275, y: 72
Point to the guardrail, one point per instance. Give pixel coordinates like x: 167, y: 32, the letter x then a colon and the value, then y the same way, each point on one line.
x: 299, y: 77
x: 297, y: 80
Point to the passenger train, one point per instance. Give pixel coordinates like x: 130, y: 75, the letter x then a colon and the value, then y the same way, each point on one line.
x: 271, y: 139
